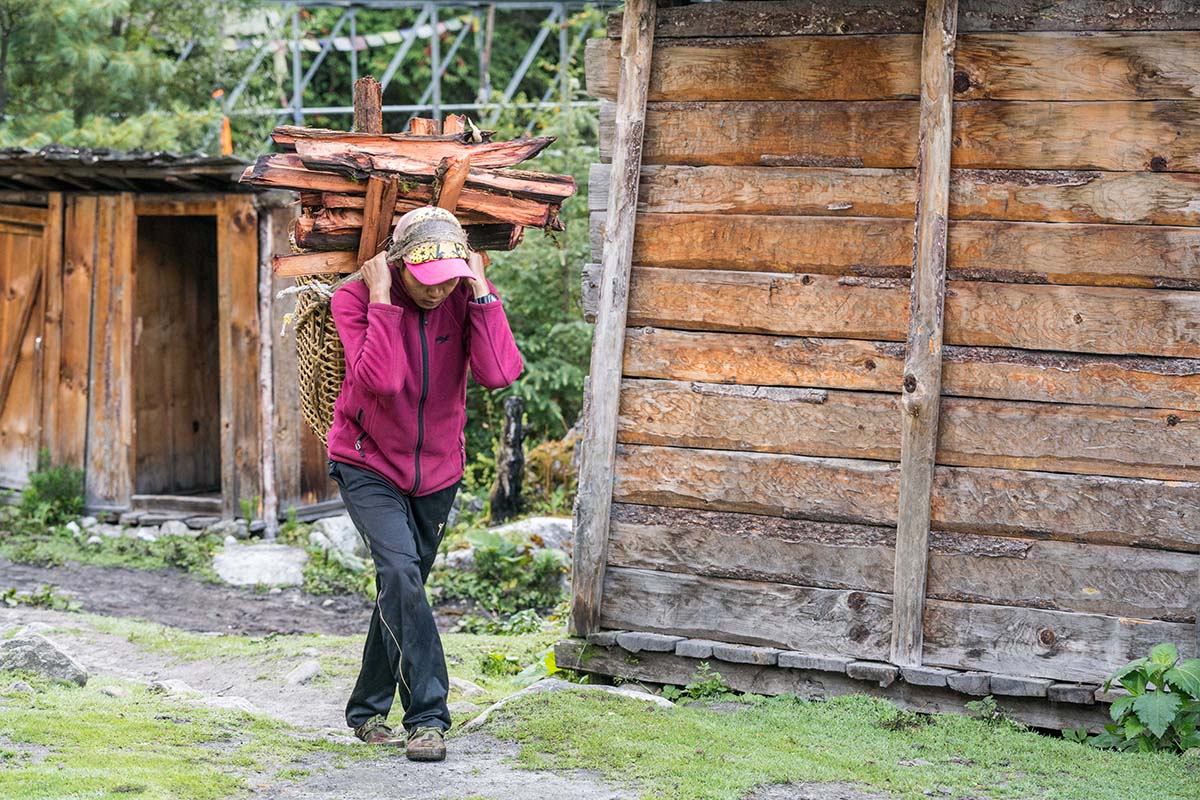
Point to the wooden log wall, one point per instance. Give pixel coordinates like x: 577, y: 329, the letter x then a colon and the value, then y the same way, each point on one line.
x: 757, y: 478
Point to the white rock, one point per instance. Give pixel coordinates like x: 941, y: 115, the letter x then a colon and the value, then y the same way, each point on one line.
x: 463, y: 708
x: 88, y: 522
x: 548, y: 531
x: 462, y: 559
x: 147, y: 533
x: 230, y: 701
x: 114, y: 691
x: 265, y: 562
x: 465, y: 687
x: 231, y: 541
x: 557, y: 685
x: 74, y: 528
x: 108, y: 530
x: 226, y: 528
x: 326, y: 603
x: 172, y: 686
x: 36, y: 653
x: 304, y: 672
x: 21, y: 686
x: 176, y: 527
x: 93, y: 540
x: 341, y: 533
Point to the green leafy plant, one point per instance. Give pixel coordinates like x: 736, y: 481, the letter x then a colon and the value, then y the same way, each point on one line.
x: 510, y: 574
x: 1162, y: 709
x: 53, y: 497
x: 499, y: 664
x: 43, y: 597
x: 524, y: 621
x: 544, y: 667
x: 706, y: 684
x: 249, y: 507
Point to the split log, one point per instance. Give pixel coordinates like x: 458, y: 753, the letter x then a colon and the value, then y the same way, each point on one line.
x: 423, y: 126
x: 368, y: 105
x: 479, y: 238
x: 432, y: 149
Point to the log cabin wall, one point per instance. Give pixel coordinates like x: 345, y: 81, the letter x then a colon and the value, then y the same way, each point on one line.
x: 756, y: 481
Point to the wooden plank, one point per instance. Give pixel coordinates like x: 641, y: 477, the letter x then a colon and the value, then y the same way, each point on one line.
x: 1156, y: 135
x: 30, y: 216
x: 17, y: 333
x: 78, y: 273
x: 680, y: 670
x: 878, y: 366
x: 1078, y: 508
x: 1096, y: 440
x: 807, y: 17
x: 1063, y: 576
x: 594, y: 498
x: 1051, y: 65
x: 1149, y: 198
x: 237, y: 256
x: 971, y: 636
x: 187, y: 205
x: 110, y: 442
x: 52, y: 316
x: 1146, y: 256
x: 920, y: 400
x: 289, y: 425
x: 1075, y: 319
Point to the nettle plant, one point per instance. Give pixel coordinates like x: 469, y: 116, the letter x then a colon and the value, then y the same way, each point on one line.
x: 1162, y: 709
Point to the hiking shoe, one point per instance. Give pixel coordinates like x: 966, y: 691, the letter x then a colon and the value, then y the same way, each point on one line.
x: 376, y: 731
x: 426, y: 744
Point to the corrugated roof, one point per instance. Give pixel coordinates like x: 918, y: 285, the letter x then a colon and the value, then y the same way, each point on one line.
x: 57, y: 167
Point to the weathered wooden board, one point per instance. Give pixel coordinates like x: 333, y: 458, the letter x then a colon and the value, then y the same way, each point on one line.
x: 52, y: 316
x: 1076, y: 319
x: 1055, y: 65
x: 23, y: 276
x: 998, y: 373
x: 78, y: 271
x: 108, y: 482
x: 680, y: 670
x: 1033, y: 195
x: 237, y: 258
x: 1145, y: 256
x: 1099, y: 579
x: 1080, y: 508
x: 1097, y: 440
x: 1158, y: 135
x: 807, y: 17
x: 994, y: 638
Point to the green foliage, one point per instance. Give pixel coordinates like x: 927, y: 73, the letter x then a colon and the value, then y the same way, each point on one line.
x: 510, y: 573
x: 902, y: 719
x: 42, y: 597
x: 544, y: 667
x: 54, y: 495
x: 498, y: 663
x: 706, y: 684
x: 524, y: 621
x: 250, y: 507
x: 1162, y: 709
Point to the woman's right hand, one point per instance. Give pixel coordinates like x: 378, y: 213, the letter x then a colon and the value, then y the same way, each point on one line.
x: 378, y: 277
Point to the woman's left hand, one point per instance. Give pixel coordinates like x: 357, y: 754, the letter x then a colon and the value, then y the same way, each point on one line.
x: 479, y: 282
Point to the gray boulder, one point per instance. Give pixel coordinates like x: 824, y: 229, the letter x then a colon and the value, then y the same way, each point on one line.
x: 339, y: 532
x: 36, y: 653
x: 228, y: 527
x: 266, y: 563
x: 176, y: 527
x: 304, y: 672
x: 88, y: 522
x: 546, y: 531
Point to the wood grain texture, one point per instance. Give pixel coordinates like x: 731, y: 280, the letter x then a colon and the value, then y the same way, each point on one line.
x: 594, y: 497
x: 1073, y: 319
x: 108, y: 482
x: 1032, y: 195
x: 1051, y: 65
x: 52, y: 316
x: 1063, y: 576
x: 972, y: 636
x: 877, y: 366
x: 1097, y: 440
x: 1157, y: 135
x: 811, y: 17
x: 78, y: 271
x: 1088, y: 509
x: 237, y: 257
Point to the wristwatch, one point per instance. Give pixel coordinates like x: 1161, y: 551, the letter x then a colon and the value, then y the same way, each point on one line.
x: 487, y: 298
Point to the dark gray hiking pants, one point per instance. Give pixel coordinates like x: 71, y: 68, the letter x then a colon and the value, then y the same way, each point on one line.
x: 403, y: 649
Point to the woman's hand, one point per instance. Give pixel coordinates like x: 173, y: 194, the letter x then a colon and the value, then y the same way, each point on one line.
x: 479, y: 283
x: 378, y: 277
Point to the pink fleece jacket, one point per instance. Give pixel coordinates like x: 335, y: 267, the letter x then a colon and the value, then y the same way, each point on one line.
x: 402, y: 408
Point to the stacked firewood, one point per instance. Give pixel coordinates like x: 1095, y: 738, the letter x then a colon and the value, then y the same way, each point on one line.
x: 342, y: 176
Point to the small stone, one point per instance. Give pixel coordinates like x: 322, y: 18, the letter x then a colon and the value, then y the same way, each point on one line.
x: 637, y: 641
x: 926, y: 676
x: 231, y: 541
x: 797, y: 660
x: 74, y: 528
x: 201, y: 522
x: 274, y: 590
x: 258, y: 526
x: 308, y: 651
x: 267, y: 563
x: 223, y: 528
x: 462, y: 559
x: 88, y: 522
x: 879, y: 671
x: 304, y: 672
x: 93, y: 540
x: 327, y: 602
x: 543, y: 531
x: 36, y: 653
x: 970, y: 682
x: 158, y: 517
x: 113, y: 691
x: 603, y: 638
x: 175, y: 527
x: 746, y: 654
x: 466, y: 688
x: 340, y: 533
x: 109, y: 530
x: 147, y: 533
x: 1083, y: 693
x: 21, y: 686
x: 230, y: 702
x: 463, y: 708
x: 129, y: 518
x: 172, y: 686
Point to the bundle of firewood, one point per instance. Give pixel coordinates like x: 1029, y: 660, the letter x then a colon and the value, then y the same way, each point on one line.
x: 345, y: 177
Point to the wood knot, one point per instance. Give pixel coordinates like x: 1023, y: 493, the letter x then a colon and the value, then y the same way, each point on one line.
x: 870, y: 365
x: 856, y: 601
x: 910, y: 383
x: 962, y: 81
x: 1172, y: 420
x: 1158, y: 164
x: 1078, y: 319
x: 1046, y: 636
x: 859, y: 633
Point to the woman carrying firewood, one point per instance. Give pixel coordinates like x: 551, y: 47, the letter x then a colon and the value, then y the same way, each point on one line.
x: 421, y: 315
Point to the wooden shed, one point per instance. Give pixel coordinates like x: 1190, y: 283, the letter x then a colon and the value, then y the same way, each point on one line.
x: 136, y: 330
x: 896, y: 372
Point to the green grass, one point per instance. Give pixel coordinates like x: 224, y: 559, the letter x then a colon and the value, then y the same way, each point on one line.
x: 143, y: 745
x: 56, y: 546
x: 693, y: 753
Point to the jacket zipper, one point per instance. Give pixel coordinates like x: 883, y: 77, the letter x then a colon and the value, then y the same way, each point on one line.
x: 358, y: 441
x: 421, y: 406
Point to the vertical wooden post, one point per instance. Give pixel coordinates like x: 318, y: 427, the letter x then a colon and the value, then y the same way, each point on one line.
x: 368, y: 105
x: 266, y: 383
x: 921, y: 394
x: 594, y: 500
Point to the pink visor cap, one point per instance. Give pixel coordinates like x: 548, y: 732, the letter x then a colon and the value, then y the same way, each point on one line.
x: 440, y: 270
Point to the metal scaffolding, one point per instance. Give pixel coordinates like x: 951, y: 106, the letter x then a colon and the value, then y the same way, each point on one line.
x: 434, y: 20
